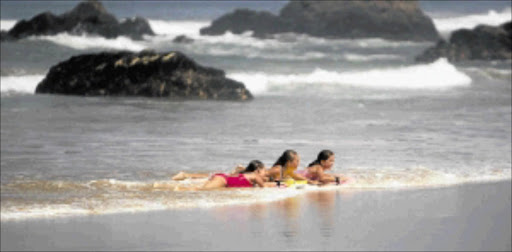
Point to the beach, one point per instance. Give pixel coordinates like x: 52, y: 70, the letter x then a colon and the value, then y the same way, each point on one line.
x: 426, y: 144
x: 469, y: 217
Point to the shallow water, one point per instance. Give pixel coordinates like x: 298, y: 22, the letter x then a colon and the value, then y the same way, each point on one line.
x: 391, y: 122
x: 464, y: 217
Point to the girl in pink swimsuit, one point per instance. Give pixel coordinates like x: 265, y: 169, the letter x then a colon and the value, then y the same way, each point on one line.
x: 235, y: 181
x: 253, y: 175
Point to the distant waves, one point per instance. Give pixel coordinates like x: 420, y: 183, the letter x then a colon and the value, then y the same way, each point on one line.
x: 84, y: 42
x: 440, y: 75
x: 6, y: 25
x: 20, y: 84
x: 449, y: 24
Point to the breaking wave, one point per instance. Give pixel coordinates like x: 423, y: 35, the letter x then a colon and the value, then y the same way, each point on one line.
x: 439, y: 75
x: 20, y: 84
x: 6, y: 25
x: 82, y: 42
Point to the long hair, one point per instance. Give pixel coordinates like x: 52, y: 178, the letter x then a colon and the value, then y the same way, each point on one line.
x: 322, y: 156
x: 253, y: 166
x: 287, y: 155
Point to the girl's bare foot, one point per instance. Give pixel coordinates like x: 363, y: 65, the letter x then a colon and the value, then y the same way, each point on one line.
x: 179, y: 176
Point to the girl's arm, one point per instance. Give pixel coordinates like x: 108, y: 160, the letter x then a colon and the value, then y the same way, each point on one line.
x: 238, y: 169
x: 275, y: 172
x: 270, y: 184
x: 257, y: 180
x: 298, y: 176
x: 301, y: 177
x: 325, y: 178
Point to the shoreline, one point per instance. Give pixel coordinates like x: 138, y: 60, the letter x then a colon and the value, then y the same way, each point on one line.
x: 283, y: 195
x: 463, y: 217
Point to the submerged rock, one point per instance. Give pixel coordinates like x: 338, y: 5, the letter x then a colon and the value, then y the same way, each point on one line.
x: 482, y: 43
x: 183, y: 39
x: 87, y: 17
x: 148, y: 73
x: 396, y: 20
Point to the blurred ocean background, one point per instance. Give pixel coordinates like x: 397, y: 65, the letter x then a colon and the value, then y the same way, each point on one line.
x: 393, y: 123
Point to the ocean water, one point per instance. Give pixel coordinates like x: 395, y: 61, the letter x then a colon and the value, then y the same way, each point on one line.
x: 393, y: 123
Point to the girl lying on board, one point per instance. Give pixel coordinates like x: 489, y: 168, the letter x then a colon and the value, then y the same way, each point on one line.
x: 253, y: 175
x: 316, y: 169
x: 284, y: 168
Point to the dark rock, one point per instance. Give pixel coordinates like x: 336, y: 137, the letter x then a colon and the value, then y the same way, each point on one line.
x: 183, y: 39
x: 396, y: 20
x: 482, y: 43
x: 242, y: 20
x: 507, y: 27
x: 87, y: 17
x: 149, y: 74
x: 135, y: 28
x: 4, y: 36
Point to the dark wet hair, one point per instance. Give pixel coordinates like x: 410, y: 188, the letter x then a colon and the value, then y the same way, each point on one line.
x: 253, y: 166
x: 287, y: 155
x: 322, y: 156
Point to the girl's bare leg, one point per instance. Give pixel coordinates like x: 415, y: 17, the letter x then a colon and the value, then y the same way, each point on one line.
x: 214, y: 182
x: 184, y: 175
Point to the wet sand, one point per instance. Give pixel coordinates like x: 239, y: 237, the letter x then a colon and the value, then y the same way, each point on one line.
x: 464, y: 217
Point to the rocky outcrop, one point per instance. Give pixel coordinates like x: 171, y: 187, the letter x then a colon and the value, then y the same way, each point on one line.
x: 148, y: 73
x: 482, y: 43
x: 242, y: 20
x: 395, y: 20
x: 87, y: 17
x: 4, y: 36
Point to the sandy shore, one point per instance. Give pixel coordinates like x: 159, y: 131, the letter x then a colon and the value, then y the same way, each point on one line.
x: 465, y: 217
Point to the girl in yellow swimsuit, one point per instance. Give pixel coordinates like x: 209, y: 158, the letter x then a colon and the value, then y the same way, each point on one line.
x: 285, y: 167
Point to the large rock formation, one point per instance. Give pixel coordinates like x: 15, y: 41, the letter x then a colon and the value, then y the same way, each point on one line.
x: 87, y: 17
x: 147, y: 74
x: 395, y: 20
x: 482, y: 43
x: 242, y: 20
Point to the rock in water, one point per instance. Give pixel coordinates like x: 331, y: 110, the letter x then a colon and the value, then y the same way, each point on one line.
x: 149, y: 74
x: 87, y: 17
x: 183, y: 39
x: 4, y: 36
x: 395, y: 20
x: 482, y: 43
x: 400, y: 20
x: 242, y: 20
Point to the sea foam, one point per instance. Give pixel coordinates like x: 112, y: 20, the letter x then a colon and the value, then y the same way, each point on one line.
x: 449, y: 24
x: 81, y: 42
x: 20, y: 84
x: 439, y: 75
x: 109, y: 196
x: 175, y: 28
x: 6, y: 24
